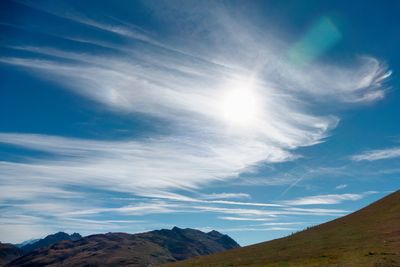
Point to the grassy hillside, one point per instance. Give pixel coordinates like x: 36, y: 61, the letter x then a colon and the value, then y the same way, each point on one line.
x: 368, y: 237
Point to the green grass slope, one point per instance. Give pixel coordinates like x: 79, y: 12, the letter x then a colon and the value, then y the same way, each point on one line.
x: 368, y: 237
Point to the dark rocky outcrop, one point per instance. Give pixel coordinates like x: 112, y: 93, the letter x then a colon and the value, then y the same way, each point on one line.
x: 8, y: 252
x: 49, y: 240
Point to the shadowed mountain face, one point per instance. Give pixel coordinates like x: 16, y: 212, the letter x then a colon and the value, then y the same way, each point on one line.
x: 27, y: 242
x: 121, y: 249
x: 368, y: 237
x: 50, y: 240
x: 8, y: 252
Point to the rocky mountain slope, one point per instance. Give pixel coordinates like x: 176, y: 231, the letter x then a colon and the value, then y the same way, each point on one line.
x: 121, y: 249
x: 9, y: 252
x: 49, y: 240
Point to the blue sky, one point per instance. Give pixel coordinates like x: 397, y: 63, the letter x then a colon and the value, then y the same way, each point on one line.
x: 254, y: 118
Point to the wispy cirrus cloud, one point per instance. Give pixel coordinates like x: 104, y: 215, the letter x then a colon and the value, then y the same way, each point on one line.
x: 225, y: 195
x: 326, y: 199
x: 195, y: 92
x: 257, y: 229
x: 236, y: 218
x: 269, y: 226
x: 341, y: 186
x: 378, y: 154
x: 272, y: 213
x: 164, y: 163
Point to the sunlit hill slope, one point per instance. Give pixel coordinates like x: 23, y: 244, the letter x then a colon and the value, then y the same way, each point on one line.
x: 368, y: 237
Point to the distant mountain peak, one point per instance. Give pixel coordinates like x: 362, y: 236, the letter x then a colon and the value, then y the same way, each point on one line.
x: 214, y: 233
x: 50, y: 240
x: 24, y: 243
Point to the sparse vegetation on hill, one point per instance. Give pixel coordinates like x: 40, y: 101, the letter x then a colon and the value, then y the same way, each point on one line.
x: 368, y: 237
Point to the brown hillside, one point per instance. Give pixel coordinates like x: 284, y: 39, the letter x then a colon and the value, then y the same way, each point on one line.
x: 8, y: 252
x: 368, y: 237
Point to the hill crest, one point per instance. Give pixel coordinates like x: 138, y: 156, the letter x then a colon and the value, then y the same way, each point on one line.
x: 367, y: 237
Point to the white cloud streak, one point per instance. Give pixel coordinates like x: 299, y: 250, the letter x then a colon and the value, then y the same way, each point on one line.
x: 257, y: 229
x: 341, y: 186
x: 379, y: 154
x: 326, y: 199
x: 230, y: 218
x: 164, y: 163
x: 225, y: 195
x: 272, y: 213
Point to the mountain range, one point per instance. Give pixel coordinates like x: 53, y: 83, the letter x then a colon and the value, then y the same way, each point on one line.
x: 122, y: 249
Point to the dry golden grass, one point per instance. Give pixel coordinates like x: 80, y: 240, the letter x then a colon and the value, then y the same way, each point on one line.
x: 368, y: 237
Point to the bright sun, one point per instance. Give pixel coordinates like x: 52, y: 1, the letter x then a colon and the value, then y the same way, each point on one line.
x: 239, y: 106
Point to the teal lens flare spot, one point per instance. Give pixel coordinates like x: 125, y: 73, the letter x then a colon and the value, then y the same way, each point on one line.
x: 322, y: 36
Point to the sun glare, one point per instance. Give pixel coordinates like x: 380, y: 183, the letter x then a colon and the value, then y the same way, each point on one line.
x: 239, y: 106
